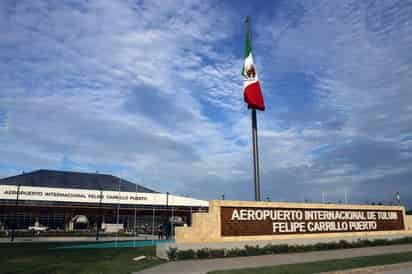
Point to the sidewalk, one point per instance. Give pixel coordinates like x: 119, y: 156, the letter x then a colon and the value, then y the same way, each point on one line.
x: 383, y: 269
x: 41, y: 239
x: 204, y: 266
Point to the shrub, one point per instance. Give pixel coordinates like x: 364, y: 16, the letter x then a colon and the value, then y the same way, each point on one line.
x: 362, y: 243
x: 185, y: 254
x: 291, y: 249
x: 267, y: 249
x: 332, y: 245
x: 299, y: 248
x: 321, y: 246
x: 344, y: 244
x: 172, y: 254
x: 283, y: 248
x: 236, y: 252
x: 379, y: 242
x: 202, y: 253
x: 400, y: 241
x: 252, y: 250
x: 407, y: 240
x: 308, y: 248
x: 295, y: 248
x: 231, y: 252
x: 217, y: 253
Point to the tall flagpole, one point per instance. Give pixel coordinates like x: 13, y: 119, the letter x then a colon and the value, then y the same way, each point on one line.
x: 255, y: 156
x: 254, y: 135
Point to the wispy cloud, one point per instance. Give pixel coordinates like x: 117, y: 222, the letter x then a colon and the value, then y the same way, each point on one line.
x: 151, y: 90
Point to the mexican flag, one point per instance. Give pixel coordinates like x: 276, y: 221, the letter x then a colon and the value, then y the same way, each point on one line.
x: 251, y: 87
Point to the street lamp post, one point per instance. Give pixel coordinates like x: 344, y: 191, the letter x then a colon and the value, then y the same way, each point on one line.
x: 167, y: 215
x: 118, y: 213
x: 99, y: 216
x: 135, y: 217
x: 15, y: 213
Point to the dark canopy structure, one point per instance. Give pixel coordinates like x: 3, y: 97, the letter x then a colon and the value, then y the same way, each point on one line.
x: 68, y: 179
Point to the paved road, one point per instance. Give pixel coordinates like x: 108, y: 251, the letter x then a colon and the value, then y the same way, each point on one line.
x: 72, y: 239
x: 400, y: 268
x: 204, y: 266
x: 402, y: 271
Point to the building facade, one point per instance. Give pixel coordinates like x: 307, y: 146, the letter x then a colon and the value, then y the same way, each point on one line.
x: 63, y: 201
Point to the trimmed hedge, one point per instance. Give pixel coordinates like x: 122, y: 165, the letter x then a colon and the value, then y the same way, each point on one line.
x: 206, y: 253
x: 172, y: 254
x: 185, y: 254
x: 203, y: 253
x: 217, y: 253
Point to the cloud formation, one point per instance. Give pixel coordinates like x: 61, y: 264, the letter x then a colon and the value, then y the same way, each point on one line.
x: 151, y: 90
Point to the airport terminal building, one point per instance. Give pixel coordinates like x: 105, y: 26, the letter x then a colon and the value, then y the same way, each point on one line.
x: 74, y: 201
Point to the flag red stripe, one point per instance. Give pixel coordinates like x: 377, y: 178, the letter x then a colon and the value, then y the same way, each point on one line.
x: 253, y: 96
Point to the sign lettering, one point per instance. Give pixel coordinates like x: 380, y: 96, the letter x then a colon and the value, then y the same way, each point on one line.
x: 276, y: 221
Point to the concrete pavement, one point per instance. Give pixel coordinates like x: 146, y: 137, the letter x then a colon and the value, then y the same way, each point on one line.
x: 204, y: 266
x: 41, y: 239
x: 402, y: 271
x: 401, y: 268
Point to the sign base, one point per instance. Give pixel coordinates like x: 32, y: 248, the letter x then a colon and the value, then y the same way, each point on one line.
x: 240, y: 221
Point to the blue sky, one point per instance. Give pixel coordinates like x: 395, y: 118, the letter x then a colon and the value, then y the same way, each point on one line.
x: 151, y: 91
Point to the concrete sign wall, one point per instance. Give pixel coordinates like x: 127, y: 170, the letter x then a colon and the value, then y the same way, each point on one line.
x: 243, y: 221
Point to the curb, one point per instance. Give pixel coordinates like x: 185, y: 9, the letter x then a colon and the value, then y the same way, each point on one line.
x: 372, y: 269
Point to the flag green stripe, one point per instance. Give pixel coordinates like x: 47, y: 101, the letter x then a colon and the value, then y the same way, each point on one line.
x: 248, y: 50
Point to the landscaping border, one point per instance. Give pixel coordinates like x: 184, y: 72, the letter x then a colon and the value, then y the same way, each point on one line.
x: 174, y: 253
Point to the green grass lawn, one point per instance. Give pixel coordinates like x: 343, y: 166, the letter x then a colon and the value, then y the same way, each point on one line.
x: 323, y: 266
x: 39, y: 258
